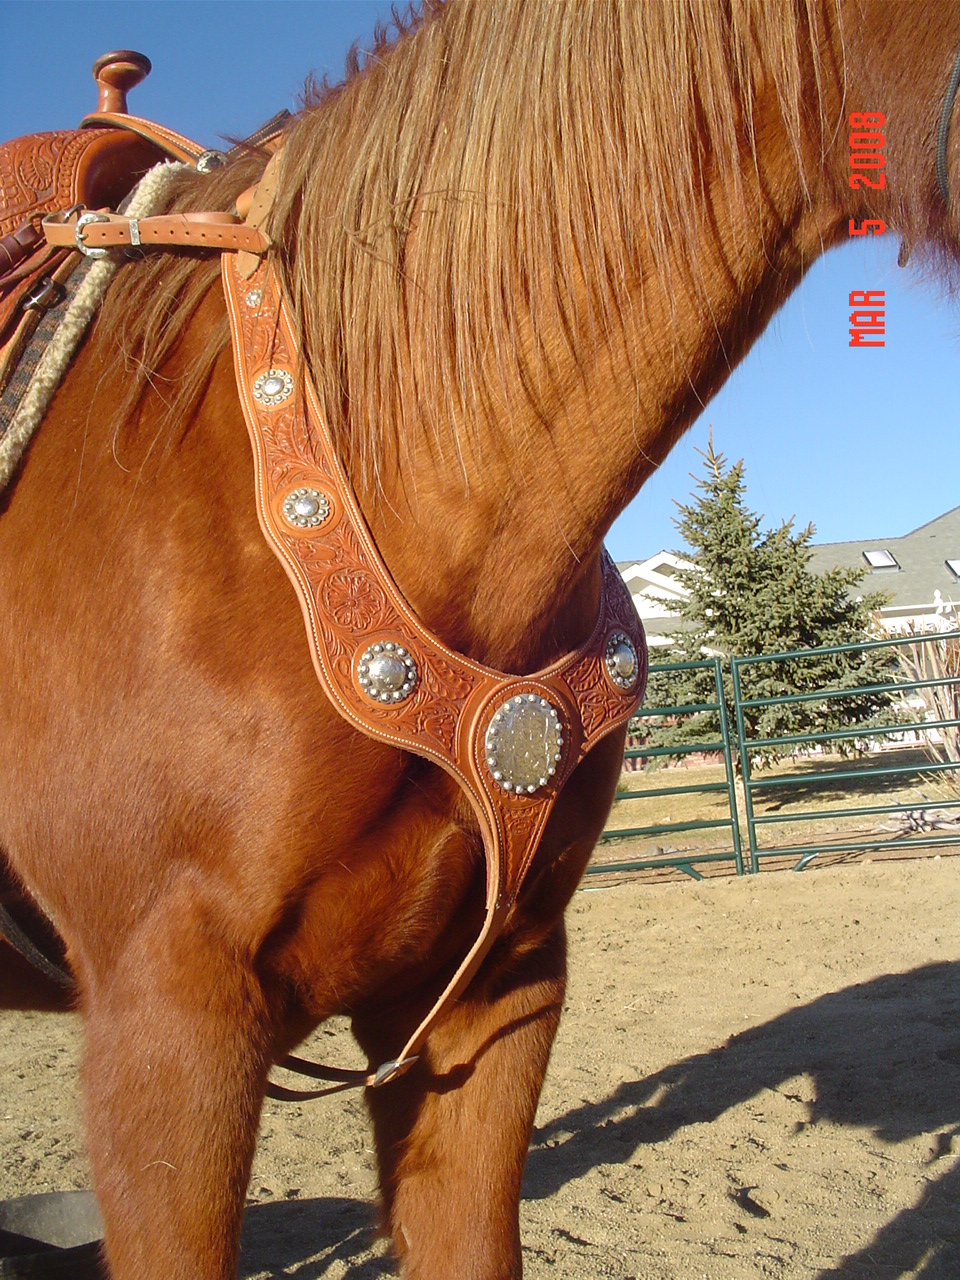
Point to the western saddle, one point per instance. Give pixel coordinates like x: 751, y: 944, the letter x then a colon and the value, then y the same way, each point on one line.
x: 50, y: 181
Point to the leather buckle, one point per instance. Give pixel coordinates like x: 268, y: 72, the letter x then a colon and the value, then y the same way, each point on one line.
x: 84, y: 221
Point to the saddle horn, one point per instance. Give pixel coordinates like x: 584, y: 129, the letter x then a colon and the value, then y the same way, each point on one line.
x: 116, y: 74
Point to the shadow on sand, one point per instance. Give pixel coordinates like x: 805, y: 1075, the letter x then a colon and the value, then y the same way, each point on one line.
x: 301, y: 1239
x: 867, y: 1049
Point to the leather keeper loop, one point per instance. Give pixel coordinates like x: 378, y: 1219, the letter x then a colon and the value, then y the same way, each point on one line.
x: 17, y: 246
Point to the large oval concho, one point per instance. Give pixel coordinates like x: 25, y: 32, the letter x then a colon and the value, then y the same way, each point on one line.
x: 523, y: 745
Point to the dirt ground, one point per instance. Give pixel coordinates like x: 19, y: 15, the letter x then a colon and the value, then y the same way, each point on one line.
x: 756, y: 1077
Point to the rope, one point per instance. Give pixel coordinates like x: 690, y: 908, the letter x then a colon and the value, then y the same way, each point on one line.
x: 943, y: 131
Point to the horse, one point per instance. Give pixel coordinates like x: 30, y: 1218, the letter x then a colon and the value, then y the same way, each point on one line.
x: 523, y: 245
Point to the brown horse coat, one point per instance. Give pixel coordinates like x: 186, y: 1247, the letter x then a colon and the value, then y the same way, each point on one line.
x: 524, y: 245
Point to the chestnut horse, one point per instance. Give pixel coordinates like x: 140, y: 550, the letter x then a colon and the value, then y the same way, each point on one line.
x: 524, y: 245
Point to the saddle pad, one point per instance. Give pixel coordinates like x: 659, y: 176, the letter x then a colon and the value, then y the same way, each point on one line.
x: 30, y: 390
x: 26, y: 367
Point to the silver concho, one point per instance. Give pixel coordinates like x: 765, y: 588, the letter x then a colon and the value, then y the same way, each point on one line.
x: 273, y: 387
x: 622, y: 665
x: 386, y: 672
x: 254, y: 297
x: 524, y: 743
x: 306, y: 508
x: 207, y: 161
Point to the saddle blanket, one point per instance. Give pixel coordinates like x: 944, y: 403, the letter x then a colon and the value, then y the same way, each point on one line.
x: 47, y: 357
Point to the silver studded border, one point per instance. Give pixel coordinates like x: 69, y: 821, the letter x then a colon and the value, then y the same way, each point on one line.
x: 273, y: 387
x: 368, y: 683
x: 616, y: 639
x: 306, y: 508
x: 492, y: 747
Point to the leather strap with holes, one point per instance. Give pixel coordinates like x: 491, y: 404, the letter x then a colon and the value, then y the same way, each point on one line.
x: 92, y: 230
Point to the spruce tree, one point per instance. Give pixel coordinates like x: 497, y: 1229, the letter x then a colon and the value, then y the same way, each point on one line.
x: 753, y: 592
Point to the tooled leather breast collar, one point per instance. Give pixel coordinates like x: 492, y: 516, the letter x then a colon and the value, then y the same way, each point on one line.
x: 511, y: 742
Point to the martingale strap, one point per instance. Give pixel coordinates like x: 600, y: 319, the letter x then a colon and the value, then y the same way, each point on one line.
x: 511, y: 742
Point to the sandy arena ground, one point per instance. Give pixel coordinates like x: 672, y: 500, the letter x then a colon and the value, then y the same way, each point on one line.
x: 756, y: 1077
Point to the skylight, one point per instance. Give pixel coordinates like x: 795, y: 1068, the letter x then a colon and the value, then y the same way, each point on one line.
x: 880, y: 559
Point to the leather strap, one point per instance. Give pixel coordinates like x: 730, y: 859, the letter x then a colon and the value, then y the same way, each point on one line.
x: 22, y: 942
x: 23, y: 309
x: 269, y: 137
x: 173, y: 143
x: 16, y: 247
x: 254, y: 205
x: 350, y: 602
x: 89, y: 230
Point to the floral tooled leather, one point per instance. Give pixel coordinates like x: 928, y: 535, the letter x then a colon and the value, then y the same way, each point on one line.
x: 350, y: 603
x: 43, y: 172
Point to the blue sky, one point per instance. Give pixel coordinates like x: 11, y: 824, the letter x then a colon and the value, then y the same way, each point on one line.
x: 863, y: 443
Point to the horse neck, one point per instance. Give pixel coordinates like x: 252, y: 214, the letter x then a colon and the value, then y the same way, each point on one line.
x: 506, y: 445
x: 496, y: 542
x: 493, y: 524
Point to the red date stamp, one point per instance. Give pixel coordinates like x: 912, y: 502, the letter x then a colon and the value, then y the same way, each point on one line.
x: 867, y: 319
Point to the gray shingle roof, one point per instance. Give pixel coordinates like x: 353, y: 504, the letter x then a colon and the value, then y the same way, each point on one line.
x: 920, y: 555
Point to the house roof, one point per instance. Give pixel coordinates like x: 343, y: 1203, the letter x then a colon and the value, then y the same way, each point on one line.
x: 920, y: 557
x: 919, y: 570
x: 656, y: 576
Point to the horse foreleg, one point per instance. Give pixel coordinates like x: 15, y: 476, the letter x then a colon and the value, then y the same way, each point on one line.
x: 174, y: 1075
x: 452, y: 1135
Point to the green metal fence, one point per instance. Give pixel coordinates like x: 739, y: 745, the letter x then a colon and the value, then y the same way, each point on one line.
x: 685, y: 861
x: 770, y: 801
x: 857, y: 738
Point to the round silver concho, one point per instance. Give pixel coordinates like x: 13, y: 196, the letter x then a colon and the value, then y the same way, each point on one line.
x: 386, y: 672
x: 273, y: 387
x: 254, y: 297
x: 621, y: 661
x: 207, y: 161
x: 523, y: 743
x: 306, y: 508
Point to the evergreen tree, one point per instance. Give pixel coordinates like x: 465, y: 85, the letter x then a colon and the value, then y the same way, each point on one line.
x: 753, y: 592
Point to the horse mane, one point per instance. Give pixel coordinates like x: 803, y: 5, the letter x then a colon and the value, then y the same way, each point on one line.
x: 419, y: 199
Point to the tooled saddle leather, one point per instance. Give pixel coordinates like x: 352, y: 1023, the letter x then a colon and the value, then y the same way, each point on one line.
x: 93, y: 167
x: 43, y: 172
